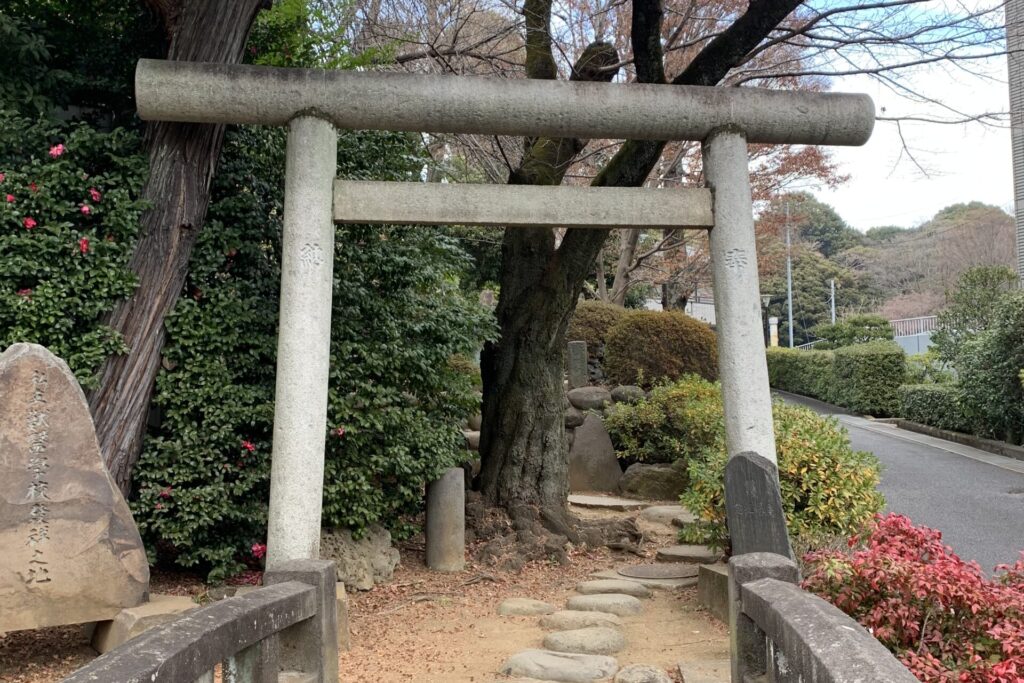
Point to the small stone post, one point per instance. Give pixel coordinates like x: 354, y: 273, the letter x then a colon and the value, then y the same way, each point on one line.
x: 773, y: 331
x: 747, y: 647
x: 742, y: 364
x: 303, y: 343
x: 309, y: 647
x: 579, y: 373
x: 446, y: 521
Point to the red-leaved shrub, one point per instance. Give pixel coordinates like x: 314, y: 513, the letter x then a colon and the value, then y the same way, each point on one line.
x: 941, y: 616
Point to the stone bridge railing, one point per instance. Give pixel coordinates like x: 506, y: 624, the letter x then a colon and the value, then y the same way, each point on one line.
x: 285, y: 631
x: 781, y: 633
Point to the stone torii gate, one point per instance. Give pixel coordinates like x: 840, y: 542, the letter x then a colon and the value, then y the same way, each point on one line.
x: 312, y: 103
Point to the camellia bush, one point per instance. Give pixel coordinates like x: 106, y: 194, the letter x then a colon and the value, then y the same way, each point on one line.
x: 943, y: 618
x: 69, y: 210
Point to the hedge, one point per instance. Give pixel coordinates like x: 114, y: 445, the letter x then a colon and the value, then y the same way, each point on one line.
x: 864, y: 378
x: 936, y: 405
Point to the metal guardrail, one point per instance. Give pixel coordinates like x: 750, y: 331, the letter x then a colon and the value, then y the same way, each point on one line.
x: 908, y: 327
x: 285, y: 631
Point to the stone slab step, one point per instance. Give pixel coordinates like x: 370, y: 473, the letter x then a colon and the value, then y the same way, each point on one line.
x: 705, y: 671
x: 593, y: 640
x: 623, y: 586
x: 560, y: 666
x: 606, y: 502
x: 666, y: 514
x: 524, y: 607
x: 613, y: 603
x: 694, y: 554
x: 642, y: 673
x: 567, y: 620
x: 653, y: 584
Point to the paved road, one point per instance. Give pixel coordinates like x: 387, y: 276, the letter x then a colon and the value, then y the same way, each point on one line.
x: 975, y: 498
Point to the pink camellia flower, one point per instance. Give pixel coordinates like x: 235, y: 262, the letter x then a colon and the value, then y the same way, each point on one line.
x: 56, y: 151
x: 95, y: 194
x: 86, y: 209
x: 249, y: 446
x: 166, y: 493
x: 10, y: 198
x: 83, y: 245
x: 29, y: 222
x: 339, y: 432
x: 33, y: 187
x: 27, y: 292
x: 259, y: 550
x: 2, y: 177
x: 159, y: 506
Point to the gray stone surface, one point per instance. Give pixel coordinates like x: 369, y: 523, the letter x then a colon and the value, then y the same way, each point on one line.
x: 606, y: 502
x: 70, y: 550
x: 560, y: 666
x: 524, y: 607
x: 310, y: 646
x: 707, y: 671
x: 360, y: 564
x: 623, y: 586
x: 573, y: 417
x: 658, y: 570
x: 472, y: 440
x: 303, y: 343
x: 753, y: 503
x: 567, y: 620
x: 696, y: 554
x: 576, y: 359
x: 592, y: 640
x: 475, y: 422
x: 627, y: 393
x: 713, y: 589
x: 657, y: 481
x: 344, y: 634
x: 683, y: 519
x: 592, y: 462
x: 613, y: 603
x: 219, y: 93
x: 652, y: 583
x: 642, y: 673
x: 663, y: 514
x: 446, y: 522
x: 131, y: 621
x: 589, y: 398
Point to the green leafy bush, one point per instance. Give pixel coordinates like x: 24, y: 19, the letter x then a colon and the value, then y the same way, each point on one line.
x: 591, y: 322
x: 927, y: 368
x: 801, y: 372
x: 937, y: 405
x: 828, y: 489
x: 396, y: 398
x: 69, y: 211
x: 867, y: 377
x: 647, y: 346
x: 677, y: 421
x: 855, y: 329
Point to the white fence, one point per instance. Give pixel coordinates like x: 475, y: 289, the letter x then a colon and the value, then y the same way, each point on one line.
x: 908, y: 327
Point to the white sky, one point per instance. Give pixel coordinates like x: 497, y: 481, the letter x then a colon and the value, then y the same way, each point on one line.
x: 964, y: 162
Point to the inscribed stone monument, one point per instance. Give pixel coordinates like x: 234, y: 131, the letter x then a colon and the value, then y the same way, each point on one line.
x: 71, y: 551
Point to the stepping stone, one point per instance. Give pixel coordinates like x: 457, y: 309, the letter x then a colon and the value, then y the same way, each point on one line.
x: 663, y: 514
x: 567, y: 620
x: 694, y: 554
x: 706, y: 671
x: 655, y: 583
x: 606, y: 502
x: 599, y: 586
x: 683, y: 519
x: 560, y: 666
x: 642, y: 673
x: 594, y: 640
x: 613, y: 603
x: 524, y: 607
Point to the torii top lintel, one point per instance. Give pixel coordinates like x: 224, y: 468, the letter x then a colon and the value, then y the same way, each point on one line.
x: 238, y: 94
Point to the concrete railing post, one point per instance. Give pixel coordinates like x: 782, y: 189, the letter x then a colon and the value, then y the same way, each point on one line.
x: 311, y: 646
x: 446, y: 521
x: 303, y: 344
x: 748, y: 646
x: 741, y: 358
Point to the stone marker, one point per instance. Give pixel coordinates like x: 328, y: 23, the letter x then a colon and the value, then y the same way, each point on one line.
x: 590, y: 398
x: 694, y: 554
x: 524, y: 607
x: 579, y: 373
x: 70, y: 550
x: 623, y: 586
x: 568, y: 620
x: 642, y: 673
x: 592, y: 462
x: 613, y: 603
x: 560, y: 666
x: 753, y: 506
x: 132, y: 621
x: 446, y: 521
x: 593, y: 640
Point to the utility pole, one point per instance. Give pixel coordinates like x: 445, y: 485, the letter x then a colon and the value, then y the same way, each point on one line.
x: 789, y: 279
x: 832, y: 287
x: 1015, y: 68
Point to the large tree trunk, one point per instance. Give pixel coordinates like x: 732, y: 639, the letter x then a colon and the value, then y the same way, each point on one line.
x: 182, y: 160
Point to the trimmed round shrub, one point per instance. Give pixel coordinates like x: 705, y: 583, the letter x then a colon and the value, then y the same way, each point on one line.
x: 647, y: 346
x: 591, y: 322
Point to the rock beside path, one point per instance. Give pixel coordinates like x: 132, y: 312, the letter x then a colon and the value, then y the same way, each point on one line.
x: 695, y: 554
x: 567, y: 620
x: 642, y: 673
x: 594, y: 640
x: 613, y: 603
x: 664, y: 514
x: 622, y: 586
x: 589, y: 398
x: 560, y: 666
x: 524, y: 607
